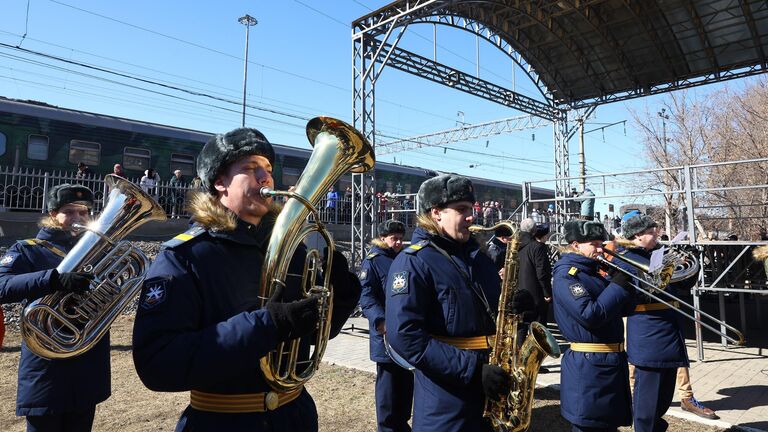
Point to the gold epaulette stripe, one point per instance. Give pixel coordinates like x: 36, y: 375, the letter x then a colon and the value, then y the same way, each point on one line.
x: 46, y: 245
x: 467, y: 343
x: 184, y: 237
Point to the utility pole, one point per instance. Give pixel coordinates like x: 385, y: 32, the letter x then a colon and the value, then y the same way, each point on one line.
x: 667, y: 197
x: 247, y: 21
x: 582, y: 157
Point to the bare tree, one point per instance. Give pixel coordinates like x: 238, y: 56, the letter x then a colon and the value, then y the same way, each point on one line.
x: 673, y: 137
x: 720, y: 126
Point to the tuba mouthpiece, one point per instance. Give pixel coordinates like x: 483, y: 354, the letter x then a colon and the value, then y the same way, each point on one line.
x: 266, y: 192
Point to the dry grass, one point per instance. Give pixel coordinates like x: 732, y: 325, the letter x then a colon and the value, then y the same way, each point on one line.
x: 344, y: 397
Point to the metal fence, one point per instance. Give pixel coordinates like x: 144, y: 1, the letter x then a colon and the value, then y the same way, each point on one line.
x: 27, y: 190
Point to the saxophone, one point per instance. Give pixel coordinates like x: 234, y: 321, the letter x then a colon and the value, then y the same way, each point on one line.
x: 512, y: 412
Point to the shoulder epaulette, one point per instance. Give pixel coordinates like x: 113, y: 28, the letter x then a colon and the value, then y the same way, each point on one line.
x: 371, y: 255
x: 412, y: 249
x: 45, y: 244
x: 573, y: 271
x: 184, y: 237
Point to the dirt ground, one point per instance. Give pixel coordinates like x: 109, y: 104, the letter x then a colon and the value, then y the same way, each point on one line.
x: 344, y: 397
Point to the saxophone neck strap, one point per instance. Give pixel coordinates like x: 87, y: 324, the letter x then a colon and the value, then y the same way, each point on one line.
x: 473, y: 286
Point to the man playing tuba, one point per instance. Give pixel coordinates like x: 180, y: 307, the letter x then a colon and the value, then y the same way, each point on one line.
x: 55, y: 395
x: 199, y: 326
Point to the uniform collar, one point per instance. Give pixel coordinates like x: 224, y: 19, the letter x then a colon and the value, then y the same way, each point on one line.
x: 383, y: 251
x: 448, y: 244
x: 572, y: 259
x: 247, y: 233
x: 58, y: 237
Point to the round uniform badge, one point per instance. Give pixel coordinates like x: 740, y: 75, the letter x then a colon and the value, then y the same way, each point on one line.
x: 271, y: 401
x: 577, y: 290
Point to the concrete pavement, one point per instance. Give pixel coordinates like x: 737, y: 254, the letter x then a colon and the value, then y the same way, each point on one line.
x: 733, y: 382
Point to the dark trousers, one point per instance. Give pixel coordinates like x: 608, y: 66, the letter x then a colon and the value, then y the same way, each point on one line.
x: 654, y: 388
x: 81, y: 421
x: 575, y: 428
x: 394, y: 397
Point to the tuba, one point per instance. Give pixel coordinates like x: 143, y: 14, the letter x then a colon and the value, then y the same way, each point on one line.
x: 64, y: 325
x: 512, y: 412
x: 338, y: 149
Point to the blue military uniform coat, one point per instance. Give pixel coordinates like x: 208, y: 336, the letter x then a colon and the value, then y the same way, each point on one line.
x: 654, y: 338
x: 51, y: 386
x: 373, y: 277
x: 199, y: 327
x: 594, y: 388
x: 427, y: 295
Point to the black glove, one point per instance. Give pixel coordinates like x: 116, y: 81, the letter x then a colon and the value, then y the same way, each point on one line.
x: 621, y: 279
x: 346, y: 285
x: 294, y: 319
x: 495, y: 381
x: 76, y: 282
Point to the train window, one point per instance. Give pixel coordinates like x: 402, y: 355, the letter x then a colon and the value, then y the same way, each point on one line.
x: 3, y: 141
x: 37, y: 147
x: 183, y: 162
x: 84, y: 151
x: 290, y: 176
x: 136, y: 158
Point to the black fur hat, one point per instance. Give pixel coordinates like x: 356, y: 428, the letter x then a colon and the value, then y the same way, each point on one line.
x: 223, y: 149
x: 391, y: 227
x: 445, y: 189
x: 635, y: 225
x: 582, y: 231
x: 66, y: 193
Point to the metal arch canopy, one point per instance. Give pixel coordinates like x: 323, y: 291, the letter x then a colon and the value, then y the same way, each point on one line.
x: 588, y: 52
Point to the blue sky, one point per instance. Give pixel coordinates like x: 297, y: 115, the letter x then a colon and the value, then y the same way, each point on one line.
x: 300, y: 66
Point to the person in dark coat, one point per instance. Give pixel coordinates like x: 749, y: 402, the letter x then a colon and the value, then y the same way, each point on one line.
x: 594, y: 383
x: 200, y: 326
x: 655, y: 341
x: 497, y: 246
x: 61, y: 394
x: 394, y: 384
x: 535, y: 272
x: 442, y: 296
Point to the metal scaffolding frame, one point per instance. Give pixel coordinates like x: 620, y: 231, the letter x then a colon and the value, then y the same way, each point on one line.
x: 696, y: 194
x: 579, y: 54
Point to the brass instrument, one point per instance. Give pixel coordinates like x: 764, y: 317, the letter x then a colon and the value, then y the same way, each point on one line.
x: 338, y: 149
x: 673, y: 270
x: 64, y: 325
x: 512, y: 412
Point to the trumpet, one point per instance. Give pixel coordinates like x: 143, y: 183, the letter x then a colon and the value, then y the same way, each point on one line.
x: 672, y: 271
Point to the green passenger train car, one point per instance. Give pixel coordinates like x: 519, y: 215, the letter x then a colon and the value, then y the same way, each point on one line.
x: 35, y: 135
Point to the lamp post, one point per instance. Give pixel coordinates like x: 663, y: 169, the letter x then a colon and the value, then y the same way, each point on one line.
x: 247, y: 21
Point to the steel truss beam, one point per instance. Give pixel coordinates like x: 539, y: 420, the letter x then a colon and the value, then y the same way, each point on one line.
x: 423, y: 67
x: 464, y: 133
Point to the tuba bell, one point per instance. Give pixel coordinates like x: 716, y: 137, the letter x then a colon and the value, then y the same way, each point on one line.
x: 64, y: 325
x: 338, y: 148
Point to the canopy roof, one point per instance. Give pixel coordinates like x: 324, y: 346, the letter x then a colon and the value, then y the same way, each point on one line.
x: 583, y: 53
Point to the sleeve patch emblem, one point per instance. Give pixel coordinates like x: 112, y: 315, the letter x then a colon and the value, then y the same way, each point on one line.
x: 363, y: 274
x: 7, y: 259
x: 577, y: 290
x: 154, y: 294
x: 400, y: 283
